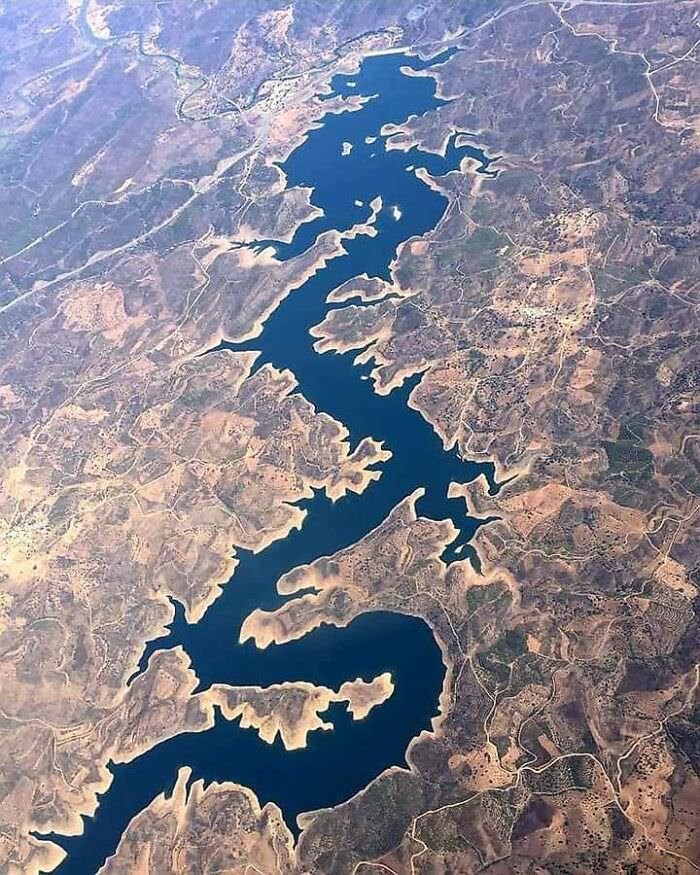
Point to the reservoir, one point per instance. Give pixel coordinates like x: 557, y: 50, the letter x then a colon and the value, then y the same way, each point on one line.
x: 336, y: 764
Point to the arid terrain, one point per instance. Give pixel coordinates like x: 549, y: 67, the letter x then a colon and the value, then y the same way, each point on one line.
x: 552, y: 316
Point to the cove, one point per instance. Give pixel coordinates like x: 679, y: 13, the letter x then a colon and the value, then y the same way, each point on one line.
x: 337, y: 764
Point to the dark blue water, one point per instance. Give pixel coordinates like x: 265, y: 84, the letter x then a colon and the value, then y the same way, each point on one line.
x: 339, y: 763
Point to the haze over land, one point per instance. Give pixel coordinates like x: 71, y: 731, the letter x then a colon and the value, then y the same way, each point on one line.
x: 503, y: 242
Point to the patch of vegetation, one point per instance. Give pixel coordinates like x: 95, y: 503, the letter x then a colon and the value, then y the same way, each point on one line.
x: 484, y: 239
x: 482, y: 212
x: 476, y: 359
x: 512, y: 645
x: 629, y: 458
x: 636, y: 429
x: 477, y: 596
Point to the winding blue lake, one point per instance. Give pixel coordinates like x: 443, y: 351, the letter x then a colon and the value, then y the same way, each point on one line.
x: 335, y: 764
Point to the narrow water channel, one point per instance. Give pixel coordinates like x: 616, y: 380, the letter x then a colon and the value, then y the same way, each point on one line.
x: 335, y: 764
